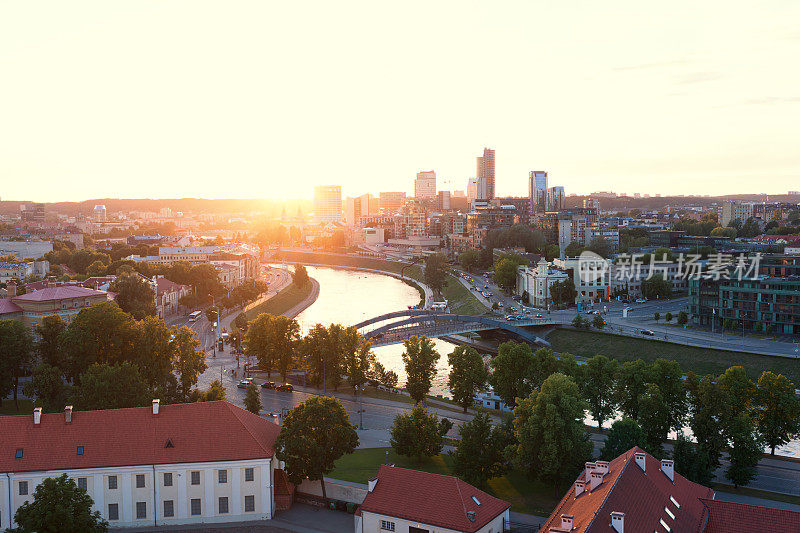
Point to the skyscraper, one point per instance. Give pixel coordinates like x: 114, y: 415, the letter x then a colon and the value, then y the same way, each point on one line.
x: 556, y: 198
x: 425, y: 184
x: 355, y: 208
x: 472, y: 191
x: 391, y: 202
x: 327, y: 203
x: 537, y: 191
x: 485, y: 175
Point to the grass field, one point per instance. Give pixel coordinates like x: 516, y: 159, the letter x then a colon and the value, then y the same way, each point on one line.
x: 281, y: 302
x: 701, y: 360
x: 8, y: 407
x: 525, y: 496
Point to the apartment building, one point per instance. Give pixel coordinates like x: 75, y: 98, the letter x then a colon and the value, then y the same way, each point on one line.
x: 168, y: 296
x: 327, y: 204
x: 592, y: 278
x: 390, y: 203
x: 25, y: 249
x: 22, y: 271
x: 535, y: 282
x: 485, y: 175
x: 165, y: 465
x: 730, y: 211
x: 425, y: 184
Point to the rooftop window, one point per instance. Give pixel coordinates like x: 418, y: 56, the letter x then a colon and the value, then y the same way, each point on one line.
x: 18, y: 455
x: 80, y: 450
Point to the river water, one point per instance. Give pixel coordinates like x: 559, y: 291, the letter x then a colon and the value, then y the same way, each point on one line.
x: 348, y: 297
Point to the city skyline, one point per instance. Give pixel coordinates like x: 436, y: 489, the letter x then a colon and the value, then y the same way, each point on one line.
x: 281, y: 98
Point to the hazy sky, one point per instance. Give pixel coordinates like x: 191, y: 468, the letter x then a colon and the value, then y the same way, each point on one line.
x: 266, y: 99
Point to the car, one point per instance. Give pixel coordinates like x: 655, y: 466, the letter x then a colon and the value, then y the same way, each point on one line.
x: 647, y: 332
x: 286, y: 387
x: 641, y: 300
x: 268, y: 385
x: 243, y: 384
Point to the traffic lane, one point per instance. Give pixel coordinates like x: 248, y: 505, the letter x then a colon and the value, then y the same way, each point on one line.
x: 768, y: 477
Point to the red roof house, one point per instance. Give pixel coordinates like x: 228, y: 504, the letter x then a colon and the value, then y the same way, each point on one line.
x: 730, y: 517
x: 400, y: 499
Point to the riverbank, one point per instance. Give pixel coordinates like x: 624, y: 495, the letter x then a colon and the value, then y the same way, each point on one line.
x: 290, y: 300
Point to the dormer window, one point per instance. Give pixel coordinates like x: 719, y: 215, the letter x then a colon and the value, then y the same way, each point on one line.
x: 18, y: 455
x: 80, y: 450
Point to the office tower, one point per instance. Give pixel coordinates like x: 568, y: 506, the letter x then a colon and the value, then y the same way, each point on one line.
x: 391, y: 202
x: 327, y: 203
x: 99, y: 213
x: 472, y: 191
x: 443, y: 200
x: 355, y: 208
x: 425, y: 184
x: 485, y: 175
x: 537, y: 191
x: 556, y: 198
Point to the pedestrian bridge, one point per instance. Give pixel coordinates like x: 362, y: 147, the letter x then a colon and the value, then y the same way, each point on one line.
x: 393, y: 328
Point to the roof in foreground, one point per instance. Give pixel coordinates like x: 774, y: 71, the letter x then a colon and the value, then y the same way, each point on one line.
x: 731, y: 517
x: 199, y: 432
x: 431, y: 499
x: 647, y: 497
x: 58, y: 293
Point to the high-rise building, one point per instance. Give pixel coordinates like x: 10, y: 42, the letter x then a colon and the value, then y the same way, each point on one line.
x: 733, y: 210
x: 485, y: 175
x: 425, y: 184
x: 327, y: 203
x: 537, y: 191
x: 591, y: 203
x: 391, y: 202
x: 443, y: 200
x: 556, y: 198
x: 99, y: 213
x: 355, y: 208
x: 472, y: 191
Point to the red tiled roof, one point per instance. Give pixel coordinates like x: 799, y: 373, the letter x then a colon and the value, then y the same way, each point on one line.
x: 58, y: 293
x: 208, y: 431
x: 164, y: 285
x: 641, y: 495
x: 431, y: 499
x: 7, y: 307
x: 730, y: 517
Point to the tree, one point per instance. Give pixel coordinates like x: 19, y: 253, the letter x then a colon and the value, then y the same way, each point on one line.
x: 468, y: 375
x: 597, y: 387
x: 47, y: 386
x: 598, y: 322
x: 16, y: 349
x: 420, y: 359
x: 668, y: 317
x: 740, y: 392
x: 357, y: 363
x: 683, y: 318
x: 669, y: 378
x: 601, y: 246
x: 436, y: 272
x: 744, y: 452
x: 708, y: 405
x: 59, y: 505
x: 214, y: 393
x: 777, y: 410
x: 105, y: 386
x: 573, y: 249
x: 469, y: 259
x: 188, y: 360
x: 273, y: 340
x: 314, y: 435
x: 211, y: 314
x: 543, y: 364
x: 692, y: 461
x: 656, y: 316
x: 153, y: 354
x: 631, y: 383
x: 49, y: 331
x: 97, y: 268
x: 300, y: 277
x: 416, y: 434
x: 624, y: 435
x: 505, y: 271
x: 578, y: 322
x: 315, y: 347
x: 478, y: 456
x: 563, y: 292
x: 656, y: 287
x: 385, y: 377
x: 654, y: 419
x: 510, y: 371
x: 541, y: 452
x: 134, y: 295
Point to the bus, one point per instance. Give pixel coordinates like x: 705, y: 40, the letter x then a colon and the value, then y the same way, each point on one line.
x: 194, y: 316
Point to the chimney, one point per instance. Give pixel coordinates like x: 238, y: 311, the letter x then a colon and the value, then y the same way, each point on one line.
x: 37, y: 416
x: 640, y: 460
x: 580, y: 486
x: 371, y: 484
x: 51, y: 282
x: 566, y: 521
x: 595, y: 479
x: 68, y: 414
x: 156, y: 403
x: 589, y: 468
x: 668, y: 467
x: 601, y: 466
x: 618, y: 521
x: 11, y: 288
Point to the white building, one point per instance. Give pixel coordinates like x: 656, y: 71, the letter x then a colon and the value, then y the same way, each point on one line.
x: 536, y: 282
x: 189, y: 463
x: 99, y: 213
x: 425, y: 184
x: 24, y: 249
x: 327, y: 204
x: 592, y: 278
x: 23, y: 271
x: 400, y: 500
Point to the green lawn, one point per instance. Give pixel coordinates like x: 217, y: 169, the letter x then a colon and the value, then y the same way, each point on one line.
x: 701, y: 360
x: 8, y: 408
x: 461, y: 300
x: 281, y: 302
x: 525, y: 496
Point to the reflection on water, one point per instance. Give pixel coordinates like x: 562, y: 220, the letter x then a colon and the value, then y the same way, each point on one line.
x: 348, y: 297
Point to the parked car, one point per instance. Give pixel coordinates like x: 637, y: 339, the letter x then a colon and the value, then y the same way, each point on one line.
x: 268, y: 385
x: 647, y: 332
x: 286, y: 387
x: 243, y: 384
x: 641, y: 300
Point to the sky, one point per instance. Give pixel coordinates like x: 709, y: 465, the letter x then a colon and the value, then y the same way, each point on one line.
x: 265, y: 99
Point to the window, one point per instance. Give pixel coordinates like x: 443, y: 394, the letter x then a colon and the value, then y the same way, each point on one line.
x: 167, y: 479
x: 223, y: 505
x: 195, y: 477
x: 249, y: 503
x: 23, y: 488
x: 113, y: 511
x: 82, y: 483
x: 18, y: 455
x: 169, y: 508
x: 112, y: 482
x: 141, y: 510
x: 249, y: 474
x: 80, y: 450
x: 386, y: 525
x: 222, y: 476
x: 139, y: 481
x: 195, y: 506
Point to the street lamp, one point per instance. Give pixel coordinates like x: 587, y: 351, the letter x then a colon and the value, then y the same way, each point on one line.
x: 360, y: 391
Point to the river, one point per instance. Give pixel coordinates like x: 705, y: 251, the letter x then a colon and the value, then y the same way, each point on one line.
x: 348, y: 297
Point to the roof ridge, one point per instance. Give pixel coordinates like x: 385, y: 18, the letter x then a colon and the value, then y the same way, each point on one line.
x: 611, y: 490
x: 244, y: 424
x: 461, y: 498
